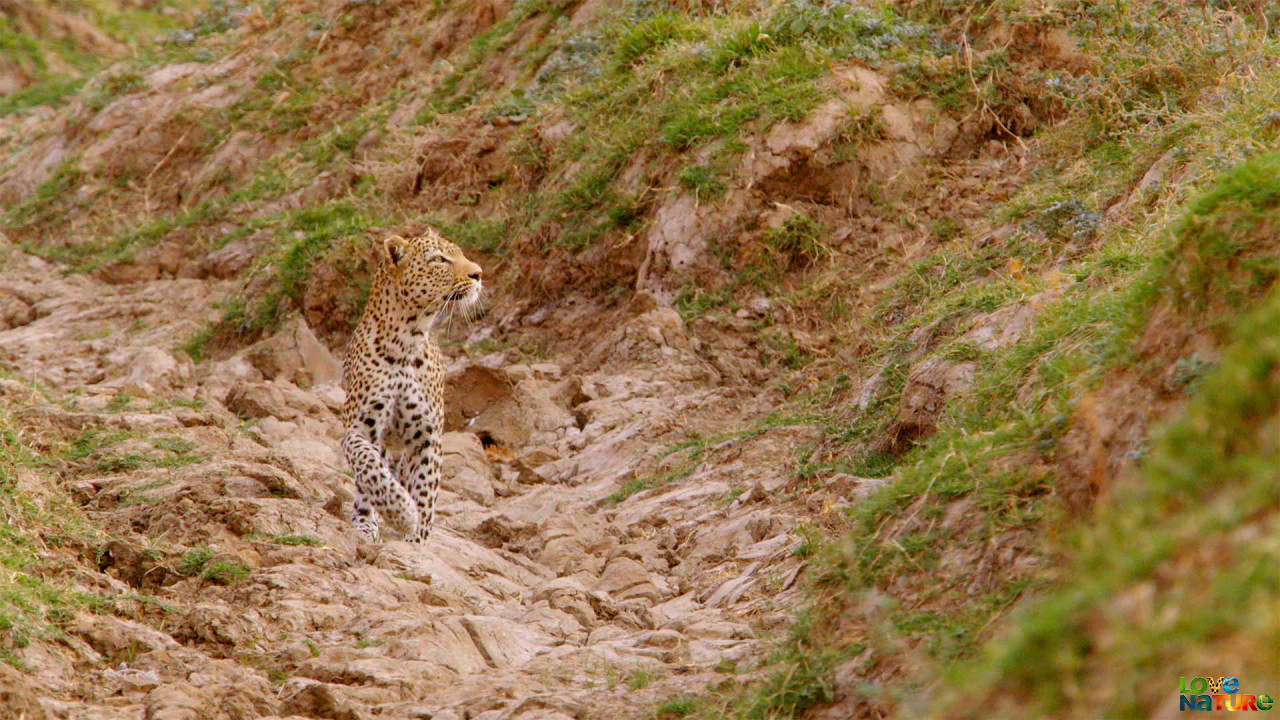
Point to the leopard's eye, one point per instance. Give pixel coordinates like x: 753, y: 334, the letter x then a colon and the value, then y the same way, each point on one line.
x: 438, y: 257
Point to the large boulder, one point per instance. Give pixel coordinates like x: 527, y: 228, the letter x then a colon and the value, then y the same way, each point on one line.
x: 466, y: 468
x: 508, y: 406
x: 149, y: 371
x: 297, y: 355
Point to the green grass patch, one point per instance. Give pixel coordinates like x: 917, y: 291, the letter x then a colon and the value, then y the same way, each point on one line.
x: 193, y: 561
x: 1208, y: 482
x: 34, y: 604
x: 51, y: 91
x: 640, y: 678
x: 676, y: 708
x: 798, y: 240
x: 225, y: 572
x: 202, y: 562
x: 297, y: 540
x: 701, y: 180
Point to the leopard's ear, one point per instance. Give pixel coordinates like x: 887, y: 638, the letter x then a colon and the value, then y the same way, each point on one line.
x: 393, y: 249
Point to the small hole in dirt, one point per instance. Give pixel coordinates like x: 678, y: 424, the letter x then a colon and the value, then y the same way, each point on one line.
x: 487, y: 440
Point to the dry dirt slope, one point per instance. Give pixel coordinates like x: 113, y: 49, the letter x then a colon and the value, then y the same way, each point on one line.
x: 217, y: 488
x: 934, y: 229
x: 243, y: 592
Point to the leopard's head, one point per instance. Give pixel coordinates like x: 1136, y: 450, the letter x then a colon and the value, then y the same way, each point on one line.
x: 429, y: 274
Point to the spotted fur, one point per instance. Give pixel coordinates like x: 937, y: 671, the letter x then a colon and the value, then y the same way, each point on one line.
x: 394, y: 380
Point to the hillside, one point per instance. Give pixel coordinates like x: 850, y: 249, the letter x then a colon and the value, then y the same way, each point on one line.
x: 842, y: 359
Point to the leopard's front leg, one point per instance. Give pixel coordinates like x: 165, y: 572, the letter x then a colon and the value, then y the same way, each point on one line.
x: 418, y: 423
x: 377, y: 487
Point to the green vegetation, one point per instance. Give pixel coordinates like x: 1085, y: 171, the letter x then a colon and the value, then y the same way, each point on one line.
x: 224, y: 572
x: 34, y: 605
x: 1139, y: 234
x: 291, y: 539
x: 695, y: 301
x: 996, y: 451
x: 640, y: 678
x: 119, y: 402
x: 1207, y: 483
x: 46, y: 92
x: 93, y: 444
x: 194, y: 560
x: 203, y: 562
x: 676, y: 708
x: 701, y: 180
x: 57, y: 63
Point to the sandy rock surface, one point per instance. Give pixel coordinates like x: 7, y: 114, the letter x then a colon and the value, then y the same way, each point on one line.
x: 540, y: 596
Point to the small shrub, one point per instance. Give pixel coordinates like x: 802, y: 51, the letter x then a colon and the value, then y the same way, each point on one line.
x: 677, y: 708
x: 700, y: 180
x: 645, y: 37
x: 224, y: 572
x: 1068, y: 220
x: 797, y: 239
x: 196, y: 346
x: 740, y: 46
x: 47, y: 92
x: 173, y: 444
x: 694, y: 302
x: 640, y: 678
x: 194, y: 560
x: 112, y: 87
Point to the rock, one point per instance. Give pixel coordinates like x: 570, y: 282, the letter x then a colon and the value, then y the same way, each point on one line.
x: 852, y: 487
x: 112, y: 636
x: 296, y: 355
x: 504, y: 643
x: 282, y: 400
x: 626, y: 579
x: 569, y: 595
x: 509, y: 407
x: 466, y: 469
x: 14, y: 312
x: 149, y: 372
x: 231, y: 259
x: 222, y: 375
x: 17, y: 696
x: 730, y: 591
x: 181, y: 701
x: 869, y: 390
x: 131, y: 679
x: 677, y: 246
x: 288, y: 438
x: 567, y: 546
x: 333, y: 396
x: 658, y: 336
x: 1006, y: 325
x: 930, y: 385
x: 316, y: 700
x: 530, y: 460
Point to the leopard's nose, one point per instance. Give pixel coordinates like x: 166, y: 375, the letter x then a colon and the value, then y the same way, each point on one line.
x: 474, y: 276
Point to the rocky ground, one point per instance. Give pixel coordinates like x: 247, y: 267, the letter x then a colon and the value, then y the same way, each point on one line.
x: 222, y: 496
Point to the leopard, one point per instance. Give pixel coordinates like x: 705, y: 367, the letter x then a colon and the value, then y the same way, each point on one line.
x: 393, y: 375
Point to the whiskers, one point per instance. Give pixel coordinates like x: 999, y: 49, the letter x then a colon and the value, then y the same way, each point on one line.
x: 465, y: 309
